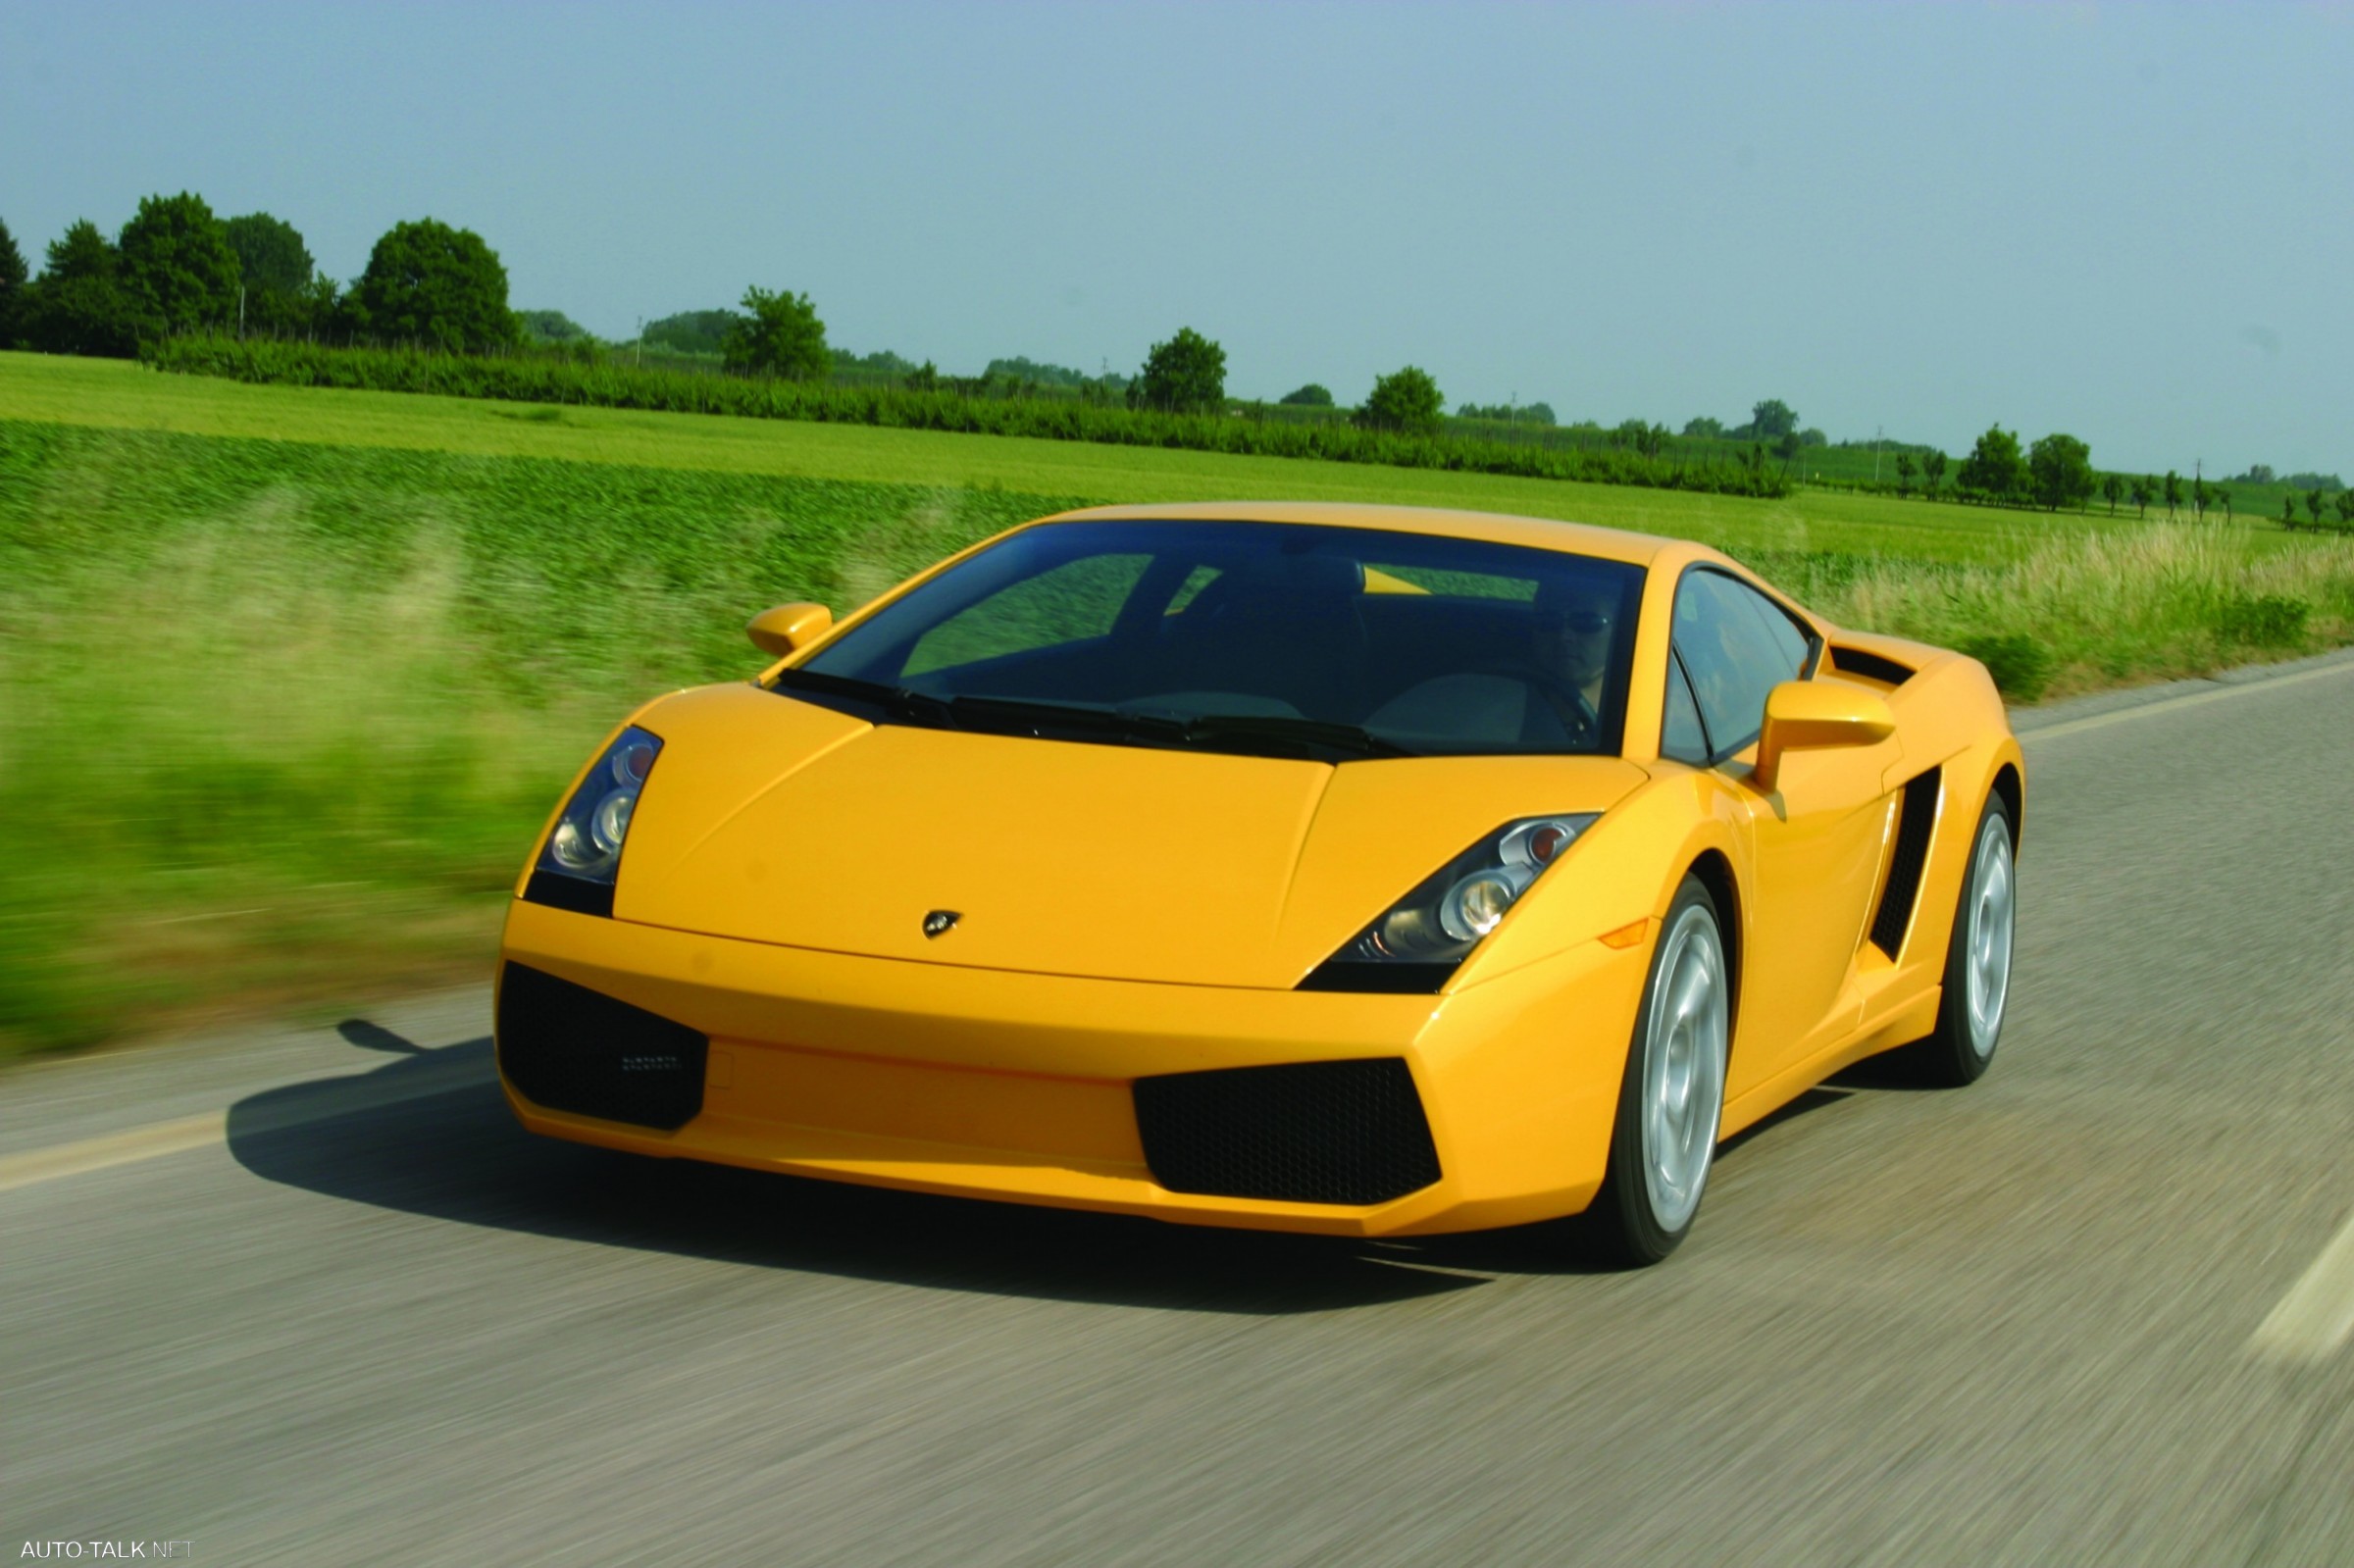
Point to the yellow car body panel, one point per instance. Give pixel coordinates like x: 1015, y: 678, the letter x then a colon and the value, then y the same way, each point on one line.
x: 1130, y: 912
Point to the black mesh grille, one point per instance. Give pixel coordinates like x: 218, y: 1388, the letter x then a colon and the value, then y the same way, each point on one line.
x: 1905, y: 864
x: 1306, y: 1132
x: 572, y: 1050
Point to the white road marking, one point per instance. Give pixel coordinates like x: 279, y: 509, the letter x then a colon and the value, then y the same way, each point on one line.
x: 2317, y: 1316
x: 2189, y: 699
x: 159, y: 1139
x: 152, y: 1141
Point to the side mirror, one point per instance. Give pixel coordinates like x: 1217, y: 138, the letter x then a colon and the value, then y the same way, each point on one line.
x: 1804, y: 714
x: 789, y: 628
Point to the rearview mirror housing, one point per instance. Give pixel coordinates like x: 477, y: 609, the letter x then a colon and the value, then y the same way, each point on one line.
x: 1807, y: 713
x: 789, y: 628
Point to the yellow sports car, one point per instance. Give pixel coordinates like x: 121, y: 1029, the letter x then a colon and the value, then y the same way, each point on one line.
x: 1361, y: 870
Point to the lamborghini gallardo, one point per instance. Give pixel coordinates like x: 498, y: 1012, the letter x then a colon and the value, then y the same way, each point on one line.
x: 1344, y: 868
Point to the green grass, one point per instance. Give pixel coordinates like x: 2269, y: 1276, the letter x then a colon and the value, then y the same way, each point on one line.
x: 288, y: 678
x: 118, y: 394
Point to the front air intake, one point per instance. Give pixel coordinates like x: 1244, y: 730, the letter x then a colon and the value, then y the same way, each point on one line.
x: 570, y: 1049
x: 1303, y: 1132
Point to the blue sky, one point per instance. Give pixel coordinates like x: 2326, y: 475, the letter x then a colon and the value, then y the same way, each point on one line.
x: 2132, y: 223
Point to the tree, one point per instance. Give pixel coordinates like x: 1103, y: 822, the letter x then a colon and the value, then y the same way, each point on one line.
x: 1994, y: 465
x: 284, y: 292
x: 430, y: 283
x: 77, y: 305
x: 1645, y: 437
x: 2344, y: 503
x: 691, y: 331
x: 2061, y: 467
x: 549, y: 325
x: 1703, y: 425
x: 177, y: 272
x: 1932, y: 472
x: 1787, y: 448
x: 2172, y: 491
x: 270, y: 256
x: 1771, y: 419
x: 1904, y: 472
x: 1187, y: 375
x: 1313, y: 395
x: 1407, y: 399
x: 1507, y: 413
x: 2200, y: 496
x: 2289, y: 512
x: 779, y: 335
x: 2111, y: 488
x: 2313, y: 506
x: 12, y: 286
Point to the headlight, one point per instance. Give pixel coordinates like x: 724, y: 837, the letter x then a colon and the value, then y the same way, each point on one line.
x: 1420, y: 939
x: 586, y: 842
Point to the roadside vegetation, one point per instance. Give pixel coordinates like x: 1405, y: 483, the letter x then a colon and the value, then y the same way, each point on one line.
x: 296, y: 648
x: 283, y: 714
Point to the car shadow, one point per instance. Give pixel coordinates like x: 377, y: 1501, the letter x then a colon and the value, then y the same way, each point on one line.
x: 428, y: 1132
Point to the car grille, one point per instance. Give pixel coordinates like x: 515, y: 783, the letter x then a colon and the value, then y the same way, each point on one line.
x: 570, y: 1049
x: 1306, y: 1132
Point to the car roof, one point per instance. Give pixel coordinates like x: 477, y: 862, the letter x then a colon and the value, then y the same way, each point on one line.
x: 1544, y: 533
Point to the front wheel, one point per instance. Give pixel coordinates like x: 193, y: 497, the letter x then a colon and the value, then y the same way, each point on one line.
x: 1671, y: 1101
x: 1978, y: 961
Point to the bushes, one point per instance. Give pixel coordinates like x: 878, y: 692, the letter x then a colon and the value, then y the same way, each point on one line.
x: 534, y: 379
x: 2020, y: 666
x: 2262, y: 620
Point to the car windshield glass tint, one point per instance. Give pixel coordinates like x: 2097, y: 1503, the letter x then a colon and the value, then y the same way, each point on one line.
x: 1281, y: 639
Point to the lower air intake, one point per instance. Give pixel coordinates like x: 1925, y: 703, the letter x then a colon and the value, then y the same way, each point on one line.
x: 574, y: 1049
x: 1306, y: 1132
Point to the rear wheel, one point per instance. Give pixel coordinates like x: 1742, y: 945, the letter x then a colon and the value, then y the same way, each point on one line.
x: 1978, y: 961
x: 1671, y: 1101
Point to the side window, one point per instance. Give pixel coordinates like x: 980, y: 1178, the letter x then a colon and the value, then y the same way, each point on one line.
x: 1074, y: 601
x: 1736, y: 645
x: 1681, y: 738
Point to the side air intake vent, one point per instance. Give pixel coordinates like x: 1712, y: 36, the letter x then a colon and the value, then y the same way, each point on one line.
x: 1871, y: 666
x: 1306, y: 1132
x: 574, y: 1049
x: 1915, y: 818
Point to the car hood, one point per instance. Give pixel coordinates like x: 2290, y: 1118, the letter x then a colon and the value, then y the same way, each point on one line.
x: 773, y: 820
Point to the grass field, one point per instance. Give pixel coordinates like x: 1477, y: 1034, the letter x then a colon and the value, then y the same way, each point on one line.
x: 119, y: 394
x: 288, y: 678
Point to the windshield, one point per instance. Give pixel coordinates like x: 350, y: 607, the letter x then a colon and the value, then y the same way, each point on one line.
x: 1271, y: 638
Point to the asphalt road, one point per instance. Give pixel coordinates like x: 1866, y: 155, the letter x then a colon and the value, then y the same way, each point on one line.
x: 2095, y: 1309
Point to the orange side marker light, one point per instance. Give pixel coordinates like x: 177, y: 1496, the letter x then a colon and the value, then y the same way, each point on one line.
x: 1627, y: 936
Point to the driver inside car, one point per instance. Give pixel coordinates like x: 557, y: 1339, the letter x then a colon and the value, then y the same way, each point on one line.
x: 1570, y: 645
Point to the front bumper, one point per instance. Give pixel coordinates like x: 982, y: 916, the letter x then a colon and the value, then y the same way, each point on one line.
x: 992, y: 1084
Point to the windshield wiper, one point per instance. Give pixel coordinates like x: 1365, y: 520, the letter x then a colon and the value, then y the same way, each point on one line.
x: 900, y: 702
x: 1025, y: 717
x: 1224, y: 731
x: 1273, y: 729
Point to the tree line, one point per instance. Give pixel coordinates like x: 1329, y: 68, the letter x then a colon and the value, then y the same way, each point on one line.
x: 176, y: 269
x: 175, y: 266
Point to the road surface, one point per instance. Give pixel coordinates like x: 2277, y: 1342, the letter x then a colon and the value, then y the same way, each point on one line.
x: 310, y: 1298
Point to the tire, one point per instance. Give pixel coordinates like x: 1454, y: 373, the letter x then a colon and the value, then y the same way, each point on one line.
x: 1671, y: 1098
x: 1978, y: 962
